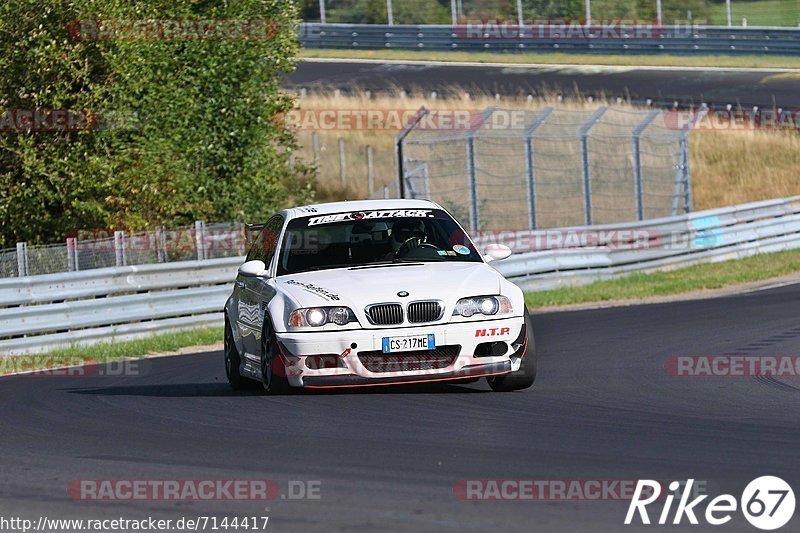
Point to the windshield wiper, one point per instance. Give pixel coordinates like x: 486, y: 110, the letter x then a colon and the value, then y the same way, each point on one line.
x: 339, y: 265
x: 393, y: 262
x: 398, y: 261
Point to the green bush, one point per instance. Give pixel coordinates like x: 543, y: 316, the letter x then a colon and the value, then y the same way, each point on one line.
x: 185, y: 129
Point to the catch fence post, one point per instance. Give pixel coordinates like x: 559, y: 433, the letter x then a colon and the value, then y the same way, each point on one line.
x: 638, y: 181
x: 72, y: 254
x: 342, y: 167
x: 586, y: 174
x: 199, y: 238
x: 119, y: 248
x: 370, y: 172
x: 530, y: 164
x: 22, y: 259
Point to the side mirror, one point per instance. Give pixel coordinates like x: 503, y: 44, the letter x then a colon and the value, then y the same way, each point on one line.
x: 253, y: 268
x: 496, y: 252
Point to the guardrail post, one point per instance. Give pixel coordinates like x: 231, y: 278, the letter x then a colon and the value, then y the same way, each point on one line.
x: 72, y: 254
x: 638, y: 182
x: 586, y: 174
x: 199, y: 239
x: 22, y: 259
x: 370, y: 172
x: 119, y: 248
x: 530, y: 166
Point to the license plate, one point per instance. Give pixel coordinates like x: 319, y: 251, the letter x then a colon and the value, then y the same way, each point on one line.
x: 407, y: 344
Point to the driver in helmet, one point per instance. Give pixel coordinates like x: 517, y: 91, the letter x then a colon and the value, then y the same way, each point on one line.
x: 408, y: 233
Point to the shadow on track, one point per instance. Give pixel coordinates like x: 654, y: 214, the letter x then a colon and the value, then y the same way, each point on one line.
x: 198, y: 390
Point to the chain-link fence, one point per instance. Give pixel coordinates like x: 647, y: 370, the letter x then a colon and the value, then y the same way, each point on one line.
x: 97, y: 249
x: 8, y: 263
x: 362, y: 166
x: 527, y: 169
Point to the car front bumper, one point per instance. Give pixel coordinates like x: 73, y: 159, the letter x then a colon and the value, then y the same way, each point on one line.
x: 355, y: 358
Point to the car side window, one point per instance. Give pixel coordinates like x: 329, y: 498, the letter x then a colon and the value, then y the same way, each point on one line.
x: 265, y: 242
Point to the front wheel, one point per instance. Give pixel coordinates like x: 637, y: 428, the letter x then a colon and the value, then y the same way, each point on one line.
x: 232, y: 360
x: 273, y: 372
x: 526, y: 375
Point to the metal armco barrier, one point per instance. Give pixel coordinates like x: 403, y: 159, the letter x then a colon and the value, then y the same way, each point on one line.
x: 682, y: 40
x: 657, y: 244
x: 39, y: 313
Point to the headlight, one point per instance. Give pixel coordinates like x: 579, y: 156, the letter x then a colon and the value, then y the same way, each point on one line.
x: 319, y: 316
x: 485, y: 305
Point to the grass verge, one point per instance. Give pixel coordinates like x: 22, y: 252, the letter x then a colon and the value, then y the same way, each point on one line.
x: 563, y: 59
x: 110, y: 351
x: 682, y: 281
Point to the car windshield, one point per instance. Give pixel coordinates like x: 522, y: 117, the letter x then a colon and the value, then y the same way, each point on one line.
x: 365, y: 238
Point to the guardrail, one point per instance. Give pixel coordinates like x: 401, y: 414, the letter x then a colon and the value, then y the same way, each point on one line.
x: 681, y: 40
x: 39, y: 313
x: 656, y: 244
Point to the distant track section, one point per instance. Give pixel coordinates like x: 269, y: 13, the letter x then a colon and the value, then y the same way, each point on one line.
x: 664, y: 86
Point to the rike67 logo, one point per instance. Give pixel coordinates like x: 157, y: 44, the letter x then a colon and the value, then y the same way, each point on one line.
x: 767, y: 503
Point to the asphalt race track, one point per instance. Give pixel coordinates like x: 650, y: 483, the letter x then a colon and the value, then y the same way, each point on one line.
x: 715, y: 87
x: 603, y: 407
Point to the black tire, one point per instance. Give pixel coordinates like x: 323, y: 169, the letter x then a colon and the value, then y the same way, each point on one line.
x: 233, y: 361
x: 272, y: 381
x: 526, y: 375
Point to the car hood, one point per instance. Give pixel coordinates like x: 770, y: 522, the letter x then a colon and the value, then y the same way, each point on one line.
x: 361, y: 286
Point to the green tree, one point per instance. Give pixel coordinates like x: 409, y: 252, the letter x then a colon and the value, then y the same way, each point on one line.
x: 201, y: 135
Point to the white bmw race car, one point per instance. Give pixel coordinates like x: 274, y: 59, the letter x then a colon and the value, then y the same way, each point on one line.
x: 376, y: 292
